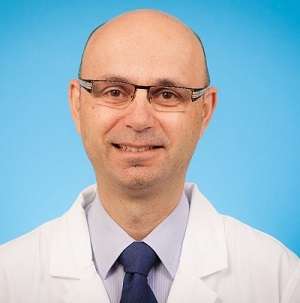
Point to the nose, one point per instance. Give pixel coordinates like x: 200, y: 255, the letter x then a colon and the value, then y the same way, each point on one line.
x: 139, y: 114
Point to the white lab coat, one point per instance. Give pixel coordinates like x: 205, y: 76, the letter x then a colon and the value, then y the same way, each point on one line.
x: 222, y: 260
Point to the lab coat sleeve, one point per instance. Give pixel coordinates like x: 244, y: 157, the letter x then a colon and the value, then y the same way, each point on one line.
x: 4, y: 292
x: 292, y: 291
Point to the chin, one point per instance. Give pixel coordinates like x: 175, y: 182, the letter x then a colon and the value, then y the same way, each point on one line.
x: 138, y: 180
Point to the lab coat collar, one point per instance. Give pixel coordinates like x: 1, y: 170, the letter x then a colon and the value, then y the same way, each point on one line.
x: 71, y: 258
x: 71, y: 252
x: 204, y: 238
x: 203, y: 252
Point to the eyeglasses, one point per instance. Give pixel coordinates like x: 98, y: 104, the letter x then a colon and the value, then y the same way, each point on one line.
x: 118, y: 94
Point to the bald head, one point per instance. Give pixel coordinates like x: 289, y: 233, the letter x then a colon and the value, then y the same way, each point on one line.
x: 144, y: 35
x: 152, y: 51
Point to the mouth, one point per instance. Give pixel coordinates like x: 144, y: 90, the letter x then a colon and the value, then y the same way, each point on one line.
x: 135, y: 149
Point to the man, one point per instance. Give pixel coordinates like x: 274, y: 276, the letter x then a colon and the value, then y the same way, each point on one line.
x: 142, y: 234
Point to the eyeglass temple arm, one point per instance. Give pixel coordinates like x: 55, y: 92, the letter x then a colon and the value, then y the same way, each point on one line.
x: 86, y: 84
x: 197, y: 93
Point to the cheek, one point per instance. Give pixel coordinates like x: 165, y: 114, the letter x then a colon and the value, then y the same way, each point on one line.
x: 183, y: 127
x: 184, y: 134
x: 95, y: 123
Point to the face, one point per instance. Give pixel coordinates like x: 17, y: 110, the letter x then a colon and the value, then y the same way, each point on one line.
x: 138, y: 147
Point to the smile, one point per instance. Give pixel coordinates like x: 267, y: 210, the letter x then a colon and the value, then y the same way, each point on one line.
x: 135, y: 149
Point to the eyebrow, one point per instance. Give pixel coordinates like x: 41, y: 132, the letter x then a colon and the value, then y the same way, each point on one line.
x: 157, y: 82
x: 167, y: 82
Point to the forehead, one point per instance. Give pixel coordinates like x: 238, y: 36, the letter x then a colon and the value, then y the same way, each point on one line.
x: 144, y: 51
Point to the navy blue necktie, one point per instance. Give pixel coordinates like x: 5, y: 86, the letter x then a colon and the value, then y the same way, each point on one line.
x: 137, y: 259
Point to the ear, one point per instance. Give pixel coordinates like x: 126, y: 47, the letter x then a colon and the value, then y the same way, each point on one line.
x: 208, y: 105
x: 74, y: 102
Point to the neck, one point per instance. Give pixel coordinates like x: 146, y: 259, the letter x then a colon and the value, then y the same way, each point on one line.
x: 138, y: 212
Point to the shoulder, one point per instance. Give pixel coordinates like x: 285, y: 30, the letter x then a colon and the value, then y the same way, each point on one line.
x: 256, y: 254
x: 241, y: 237
x: 37, y: 243
x: 25, y: 261
x: 255, y: 261
x: 26, y: 250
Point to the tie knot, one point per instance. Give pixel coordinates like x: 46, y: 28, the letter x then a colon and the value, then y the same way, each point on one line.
x: 138, y: 257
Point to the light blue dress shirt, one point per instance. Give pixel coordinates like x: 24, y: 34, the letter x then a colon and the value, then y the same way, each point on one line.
x: 108, y: 240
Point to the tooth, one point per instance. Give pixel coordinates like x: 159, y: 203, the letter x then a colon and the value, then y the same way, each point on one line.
x: 134, y: 149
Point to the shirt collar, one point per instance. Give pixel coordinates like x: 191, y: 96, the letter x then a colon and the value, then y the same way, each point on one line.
x: 166, y: 239
x: 108, y: 239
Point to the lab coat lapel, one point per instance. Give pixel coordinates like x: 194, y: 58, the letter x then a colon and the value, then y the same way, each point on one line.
x: 203, y: 252
x: 71, y: 261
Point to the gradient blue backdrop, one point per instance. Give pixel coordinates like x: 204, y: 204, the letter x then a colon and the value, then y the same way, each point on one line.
x: 247, y: 164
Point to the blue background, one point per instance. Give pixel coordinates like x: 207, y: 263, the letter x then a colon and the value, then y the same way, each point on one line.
x: 248, y: 161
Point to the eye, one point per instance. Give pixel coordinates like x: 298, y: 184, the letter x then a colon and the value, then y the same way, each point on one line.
x: 114, y: 93
x: 164, y: 93
x: 167, y: 94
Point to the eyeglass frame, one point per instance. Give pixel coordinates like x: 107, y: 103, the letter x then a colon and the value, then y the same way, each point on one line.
x: 87, y: 84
